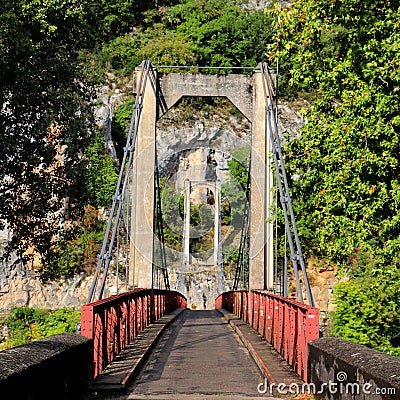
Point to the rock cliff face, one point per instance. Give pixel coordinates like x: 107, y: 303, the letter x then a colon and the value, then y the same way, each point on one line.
x: 21, y: 286
x: 195, y: 145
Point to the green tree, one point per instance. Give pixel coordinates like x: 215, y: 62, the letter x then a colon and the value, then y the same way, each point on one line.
x: 347, y: 156
x: 222, y: 33
x: 48, y: 172
x: 214, y: 33
x: 234, y: 190
x: 120, y: 126
x: 172, y: 208
x: 239, y: 165
x: 343, y: 54
x: 21, y: 324
x: 367, y: 309
x: 43, y: 118
x: 100, y: 175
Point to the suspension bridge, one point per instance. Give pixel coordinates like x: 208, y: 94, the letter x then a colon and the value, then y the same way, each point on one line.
x: 261, y: 337
x: 255, y: 96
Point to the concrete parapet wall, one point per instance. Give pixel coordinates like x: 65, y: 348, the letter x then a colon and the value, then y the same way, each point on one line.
x: 339, y: 370
x: 57, y: 367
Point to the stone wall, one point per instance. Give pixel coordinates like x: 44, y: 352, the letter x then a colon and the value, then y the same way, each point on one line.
x: 343, y: 370
x: 58, y: 367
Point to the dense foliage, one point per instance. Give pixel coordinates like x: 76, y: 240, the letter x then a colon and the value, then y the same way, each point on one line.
x: 25, y: 324
x: 42, y: 118
x: 367, y: 309
x: 52, y: 55
x: 45, y: 121
x: 206, y: 33
x: 345, y: 56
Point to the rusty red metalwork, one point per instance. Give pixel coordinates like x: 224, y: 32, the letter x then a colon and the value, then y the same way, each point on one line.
x: 285, y: 323
x: 115, y: 322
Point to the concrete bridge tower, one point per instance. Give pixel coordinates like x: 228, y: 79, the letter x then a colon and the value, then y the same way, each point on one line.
x: 247, y: 94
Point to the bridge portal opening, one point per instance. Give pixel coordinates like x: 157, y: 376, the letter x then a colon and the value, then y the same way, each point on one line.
x: 203, y: 155
x: 164, y: 91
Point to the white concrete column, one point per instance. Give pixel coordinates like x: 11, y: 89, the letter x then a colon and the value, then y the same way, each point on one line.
x: 185, y: 263
x: 217, y: 222
x: 269, y: 213
x: 186, y: 225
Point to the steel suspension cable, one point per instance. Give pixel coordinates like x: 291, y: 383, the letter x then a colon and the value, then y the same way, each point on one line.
x: 280, y: 172
x: 159, y: 226
x: 105, y: 256
x: 269, y: 95
x: 243, y: 239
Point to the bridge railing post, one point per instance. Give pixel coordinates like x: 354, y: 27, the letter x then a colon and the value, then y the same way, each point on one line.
x: 255, y: 310
x: 269, y: 321
x: 250, y: 307
x: 279, y: 308
x: 238, y: 304
x: 245, y: 306
x: 261, y: 323
x: 286, y: 330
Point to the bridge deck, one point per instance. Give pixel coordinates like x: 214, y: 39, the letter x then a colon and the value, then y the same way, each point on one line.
x: 198, y: 357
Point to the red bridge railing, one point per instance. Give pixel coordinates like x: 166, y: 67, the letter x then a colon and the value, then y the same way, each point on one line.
x: 114, y: 322
x: 285, y: 323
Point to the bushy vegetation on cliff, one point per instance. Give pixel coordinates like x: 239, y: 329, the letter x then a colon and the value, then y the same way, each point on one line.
x: 344, y: 55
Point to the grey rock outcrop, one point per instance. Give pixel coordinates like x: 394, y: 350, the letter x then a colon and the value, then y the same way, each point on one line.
x: 204, y: 141
x: 27, y: 290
